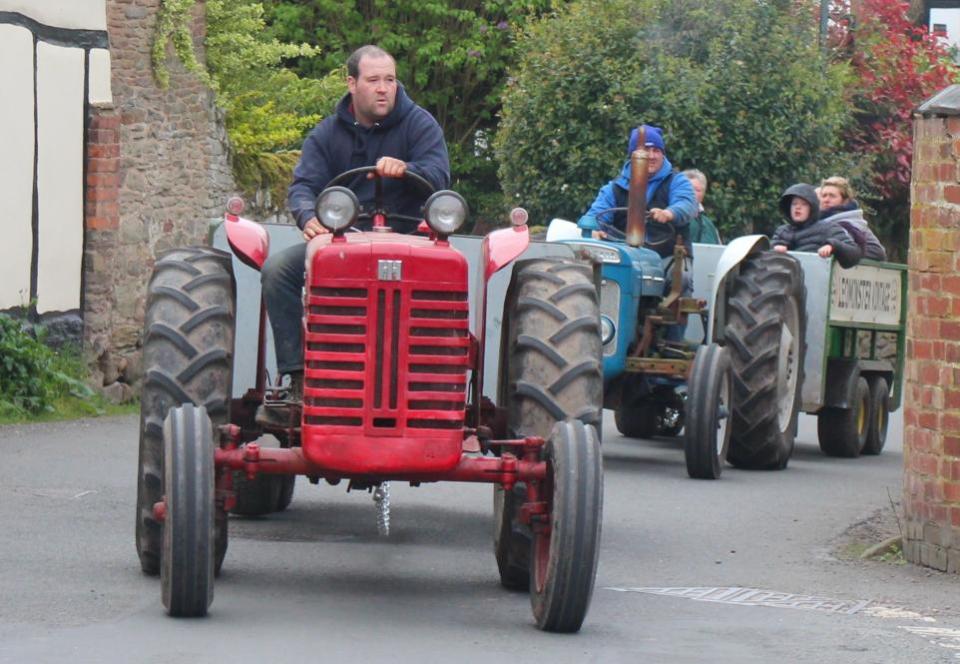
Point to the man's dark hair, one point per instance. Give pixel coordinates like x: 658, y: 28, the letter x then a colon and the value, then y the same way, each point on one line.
x: 353, y: 62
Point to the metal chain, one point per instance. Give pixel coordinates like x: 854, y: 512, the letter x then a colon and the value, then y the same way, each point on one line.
x: 381, y: 497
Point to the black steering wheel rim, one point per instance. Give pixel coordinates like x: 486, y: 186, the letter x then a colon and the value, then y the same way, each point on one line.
x: 349, y: 176
x: 652, y: 245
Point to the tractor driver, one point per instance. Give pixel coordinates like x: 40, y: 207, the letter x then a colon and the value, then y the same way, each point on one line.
x: 375, y: 123
x: 670, y: 200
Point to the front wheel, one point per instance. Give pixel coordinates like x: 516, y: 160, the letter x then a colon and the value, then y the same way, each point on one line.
x: 708, y: 404
x: 566, y: 543
x: 187, y: 563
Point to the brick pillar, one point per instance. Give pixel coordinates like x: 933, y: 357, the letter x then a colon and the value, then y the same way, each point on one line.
x: 931, y: 443
x: 102, y: 224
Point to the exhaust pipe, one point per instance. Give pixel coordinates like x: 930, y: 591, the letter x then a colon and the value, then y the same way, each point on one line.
x: 637, y: 201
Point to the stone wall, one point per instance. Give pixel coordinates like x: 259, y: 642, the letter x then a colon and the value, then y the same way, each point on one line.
x: 932, y: 377
x: 157, y: 172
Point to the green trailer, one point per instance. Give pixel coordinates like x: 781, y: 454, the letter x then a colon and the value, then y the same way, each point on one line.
x: 855, y: 337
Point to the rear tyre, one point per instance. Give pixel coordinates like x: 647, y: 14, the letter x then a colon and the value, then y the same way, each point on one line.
x: 638, y: 418
x: 843, y: 431
x: 765, y: 332
x: 258, y: 496
x: 707, y: 437
x: 287, y: 482
x: 879, y: 416
x: 553, y: 373
x: 189, y: 548
x: 511, y: 539
x: 567, y: 546
x: 187, y: 359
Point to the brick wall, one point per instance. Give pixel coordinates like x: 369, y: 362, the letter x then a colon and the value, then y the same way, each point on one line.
x: 932, y: 378
x: 157, y: 172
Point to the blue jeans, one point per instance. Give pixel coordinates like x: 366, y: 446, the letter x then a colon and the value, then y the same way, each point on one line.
x: 282, y: 278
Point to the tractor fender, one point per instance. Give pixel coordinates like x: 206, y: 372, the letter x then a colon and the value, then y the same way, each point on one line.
x: 730, y: 260
x: 249, y: 240
x: 498, y: 250
x: 502, y: 247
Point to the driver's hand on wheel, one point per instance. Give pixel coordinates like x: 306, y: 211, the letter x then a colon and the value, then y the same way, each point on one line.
x: 662, y: 216
x: 312, y: 229
x: 599, y: 235
x: 780, y: 248
x: 388, y: 167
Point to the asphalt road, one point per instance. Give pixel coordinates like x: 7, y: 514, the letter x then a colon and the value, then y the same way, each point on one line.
x: 316, y: 583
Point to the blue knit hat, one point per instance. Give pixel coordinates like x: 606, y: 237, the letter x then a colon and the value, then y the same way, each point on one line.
x: 654, y: 139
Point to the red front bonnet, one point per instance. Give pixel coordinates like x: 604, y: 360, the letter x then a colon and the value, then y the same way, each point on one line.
x: 387, y: 350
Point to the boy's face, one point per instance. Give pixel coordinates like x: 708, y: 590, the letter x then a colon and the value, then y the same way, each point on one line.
x: 799, y: 210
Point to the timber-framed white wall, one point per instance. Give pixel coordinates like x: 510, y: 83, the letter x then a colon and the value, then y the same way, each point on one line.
x: 54, y: 65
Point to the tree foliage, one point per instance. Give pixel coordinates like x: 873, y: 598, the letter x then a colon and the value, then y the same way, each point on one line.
x: 451, y: 56
x: 896, y: 66
x: 268, y: 108
x: 739, y: 86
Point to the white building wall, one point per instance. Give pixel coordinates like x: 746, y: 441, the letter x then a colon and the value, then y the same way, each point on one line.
x: 60, y: 96
x: 16, y: 166
x: 71, y: 14
x: 54, y: 61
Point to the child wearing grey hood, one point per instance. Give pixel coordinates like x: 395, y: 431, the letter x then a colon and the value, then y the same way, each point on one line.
x: 804, y: 230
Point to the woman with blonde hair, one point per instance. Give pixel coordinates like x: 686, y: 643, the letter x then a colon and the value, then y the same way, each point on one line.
x: 838, y: 204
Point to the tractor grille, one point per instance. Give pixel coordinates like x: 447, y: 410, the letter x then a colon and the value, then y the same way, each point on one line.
x: 386, y: 357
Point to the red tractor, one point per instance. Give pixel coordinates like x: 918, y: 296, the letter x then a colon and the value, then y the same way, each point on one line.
x: 392, y: 392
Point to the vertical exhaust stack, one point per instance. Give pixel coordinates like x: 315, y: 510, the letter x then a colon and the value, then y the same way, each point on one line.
x: 637, y: 202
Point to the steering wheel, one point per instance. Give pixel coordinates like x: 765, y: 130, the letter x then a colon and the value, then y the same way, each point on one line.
x: 620, y: 235
x: 352, y: 182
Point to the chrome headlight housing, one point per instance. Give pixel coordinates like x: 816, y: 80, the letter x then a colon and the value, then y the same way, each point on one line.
x: 337, y: 208
x: 597, y: 252
x: 445, y: 212
x: 607, y: 330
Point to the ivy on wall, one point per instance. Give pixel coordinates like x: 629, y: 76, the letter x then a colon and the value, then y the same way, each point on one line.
x: 268, y: 108
x: 174, y: 19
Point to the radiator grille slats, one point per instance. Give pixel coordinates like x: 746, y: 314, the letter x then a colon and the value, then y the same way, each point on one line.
x: 381, y: 357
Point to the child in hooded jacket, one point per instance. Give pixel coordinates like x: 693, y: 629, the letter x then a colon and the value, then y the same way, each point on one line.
x: 804, y: 230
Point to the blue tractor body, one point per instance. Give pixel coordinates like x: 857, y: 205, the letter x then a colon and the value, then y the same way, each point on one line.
x: 629, y: 276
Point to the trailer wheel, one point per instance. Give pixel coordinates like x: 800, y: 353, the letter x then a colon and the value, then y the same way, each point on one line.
x: 553, y: 373
x: 566, y: 544
x: 186, y: 566
x: 879, y: 416
x: 638, y: 418
x: 187, y: 359
x: 765, y: 334
x: 707, y: 436
x: 843, y: 431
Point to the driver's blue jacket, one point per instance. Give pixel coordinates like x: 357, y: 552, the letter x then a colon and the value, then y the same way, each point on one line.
x: 681, y: 199
x: 340, y: 143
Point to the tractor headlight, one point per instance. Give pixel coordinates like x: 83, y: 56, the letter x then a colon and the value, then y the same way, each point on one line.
x: 445, y: 212
x: 607, y: 330
x: 597, y: 252
x: 337, y: 208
